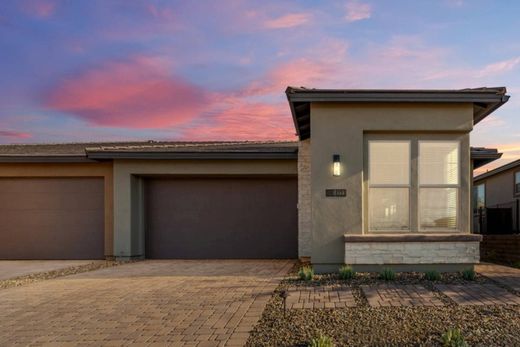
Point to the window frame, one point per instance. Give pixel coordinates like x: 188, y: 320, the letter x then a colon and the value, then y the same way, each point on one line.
x: 389, y: 186
x: 441, y: 186
x: 462, y: 219
x: 515, y: 193
x: 475, y: 196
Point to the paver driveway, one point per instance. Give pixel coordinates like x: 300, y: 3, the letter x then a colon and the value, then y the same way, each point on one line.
x: 16, y: 268
x: 177, y: 302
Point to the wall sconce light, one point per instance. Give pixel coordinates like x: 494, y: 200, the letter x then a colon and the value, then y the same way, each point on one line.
x: 336, y: 168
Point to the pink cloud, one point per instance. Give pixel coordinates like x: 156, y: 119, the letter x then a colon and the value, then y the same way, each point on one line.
x: 357, y: 11
x: 135, y: 93
x: 288, y: 21
x: 241, y: 119
x: 39, y: 8
x: 499, y: 67
x: 14, y: 134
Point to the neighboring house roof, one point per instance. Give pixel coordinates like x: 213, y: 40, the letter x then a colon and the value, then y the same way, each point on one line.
x: 496, y: 171
x: 81, y: 152
x: 485, y: 100
x: 482, y: 156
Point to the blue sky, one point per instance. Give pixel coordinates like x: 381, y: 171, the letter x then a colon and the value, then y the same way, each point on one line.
x: 216, y: 70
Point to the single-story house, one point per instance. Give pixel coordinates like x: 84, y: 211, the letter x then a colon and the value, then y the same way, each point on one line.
x: 500, y: 186
x: 376, y: 178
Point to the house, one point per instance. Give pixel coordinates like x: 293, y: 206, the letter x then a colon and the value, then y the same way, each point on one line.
x: 497, y: 212
x: 376, y: 178
x: 500, y: 186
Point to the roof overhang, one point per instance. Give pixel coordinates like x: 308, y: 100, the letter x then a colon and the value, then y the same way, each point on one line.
x: 484, y: 100
x: 108, y: 155
x: 44, y: 159
x: 509, y: 166
x: 482, y: 156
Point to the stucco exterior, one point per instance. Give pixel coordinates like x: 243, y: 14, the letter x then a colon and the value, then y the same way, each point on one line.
x: 103, y: 170
x: 341, y: 128
x: 129, y: 188
x: 500, y: 188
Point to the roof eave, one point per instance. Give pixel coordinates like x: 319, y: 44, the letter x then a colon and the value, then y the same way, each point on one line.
x: 491, y: 98
x: 44, y: 159
x: 103, y: 155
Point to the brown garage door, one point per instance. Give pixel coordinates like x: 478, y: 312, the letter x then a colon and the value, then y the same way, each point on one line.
x: 51, y: 218
x: 204, y: 218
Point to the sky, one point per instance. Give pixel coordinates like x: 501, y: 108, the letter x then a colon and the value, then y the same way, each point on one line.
x: 108, y: 70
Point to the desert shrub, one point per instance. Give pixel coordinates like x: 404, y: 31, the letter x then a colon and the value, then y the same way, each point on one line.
x: 453, y: 338
x: 346, y: 272
x: 306, y: 273
x: 387, y: 274
x: 321, y: 341
x: 469, y: 274
x: 432, y: 275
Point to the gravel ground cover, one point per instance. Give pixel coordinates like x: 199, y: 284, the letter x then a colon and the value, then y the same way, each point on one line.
x: 385, y: 326
x: 41, y: 276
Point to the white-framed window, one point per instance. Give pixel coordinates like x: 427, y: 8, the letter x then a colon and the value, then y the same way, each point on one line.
x: 413, y: 185
x: 438, y: 185
x: 389, y: 185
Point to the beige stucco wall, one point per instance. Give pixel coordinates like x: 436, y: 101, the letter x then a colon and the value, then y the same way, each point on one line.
x: 71, y: 170
x: 500, y: 188
x: 339, y: 128
x: 129, y: 189
x: 304, y: 199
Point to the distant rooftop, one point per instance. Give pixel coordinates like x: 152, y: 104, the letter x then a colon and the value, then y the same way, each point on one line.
x: 496, y: 171
x: 485, y: 100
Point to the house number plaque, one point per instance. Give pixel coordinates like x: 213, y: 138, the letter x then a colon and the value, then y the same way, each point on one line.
x: 337, y: 193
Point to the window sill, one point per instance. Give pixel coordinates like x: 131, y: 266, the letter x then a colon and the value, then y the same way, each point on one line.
x: 414, y: 238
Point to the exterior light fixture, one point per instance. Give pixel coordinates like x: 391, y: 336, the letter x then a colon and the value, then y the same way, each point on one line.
x: 336, y: 168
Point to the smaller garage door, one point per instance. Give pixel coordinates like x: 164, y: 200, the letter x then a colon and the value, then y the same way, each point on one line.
x: 51, y: 218
x: 204, y: 218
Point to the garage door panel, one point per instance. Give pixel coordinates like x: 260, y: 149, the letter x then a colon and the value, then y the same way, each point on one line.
x: 12, y: 202
x: 222, y: 218
x: 51, y: 218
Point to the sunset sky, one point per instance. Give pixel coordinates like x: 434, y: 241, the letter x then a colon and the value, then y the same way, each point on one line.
x: 101, y: 70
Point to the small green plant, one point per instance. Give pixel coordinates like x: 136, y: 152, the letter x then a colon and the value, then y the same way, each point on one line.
x: 306, y: 273
x: 387, y: 274
x: 516, y: 264
x: 469, y: 274
x: 346, y: 272
x: 321, y: 341
x: 432, y: 275
x: 453, y: 338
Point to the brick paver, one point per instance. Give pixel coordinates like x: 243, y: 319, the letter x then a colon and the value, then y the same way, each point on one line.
x: 320, y: 297
x: 400, y: 295
x: 15, y: 268
x: 478, y: 294
x: 507, y: 276
x: 179, y: 303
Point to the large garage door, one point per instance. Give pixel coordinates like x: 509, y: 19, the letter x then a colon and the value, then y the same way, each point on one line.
x: 204, y: 218
x: 51, y: 218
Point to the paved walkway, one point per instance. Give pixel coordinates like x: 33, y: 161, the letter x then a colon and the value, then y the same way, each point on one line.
x: 507, y: 276
x: 478, y: 294
x: 400, y: 295
x: 320, y: 297
x: 177, y: 303
x: 16, y: 268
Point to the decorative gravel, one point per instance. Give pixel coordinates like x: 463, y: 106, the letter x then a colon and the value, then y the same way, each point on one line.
x: 385, y: 326
x: 41, y: 276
